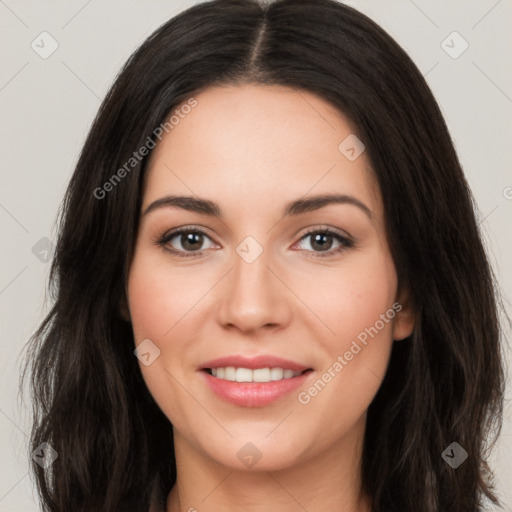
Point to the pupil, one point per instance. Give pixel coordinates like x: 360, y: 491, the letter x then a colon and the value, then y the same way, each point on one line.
x: 191, y: 239
x: 323, y: 246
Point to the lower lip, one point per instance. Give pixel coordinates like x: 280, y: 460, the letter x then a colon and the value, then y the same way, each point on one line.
x: 254, y: 394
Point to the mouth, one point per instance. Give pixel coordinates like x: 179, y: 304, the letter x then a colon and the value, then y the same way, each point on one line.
x: 253, y: 382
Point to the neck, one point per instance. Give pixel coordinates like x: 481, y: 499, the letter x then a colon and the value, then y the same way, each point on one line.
x: 329, y: 480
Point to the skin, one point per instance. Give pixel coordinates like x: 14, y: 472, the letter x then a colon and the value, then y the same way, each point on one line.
x: 252, y: 149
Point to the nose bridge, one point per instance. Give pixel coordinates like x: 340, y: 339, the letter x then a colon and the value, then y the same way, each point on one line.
x: 253, y: 296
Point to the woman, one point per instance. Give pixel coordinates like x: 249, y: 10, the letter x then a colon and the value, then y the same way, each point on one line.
x: 271, y: 292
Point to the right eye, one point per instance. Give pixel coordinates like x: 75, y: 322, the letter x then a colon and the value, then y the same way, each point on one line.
x: 184, y: 240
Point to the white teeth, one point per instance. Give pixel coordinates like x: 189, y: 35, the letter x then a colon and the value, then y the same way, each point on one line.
x: 243, y: 375
x: 261, y: 375
x: 258, y: 375
x: 230, y: 373
x: 276, y: 373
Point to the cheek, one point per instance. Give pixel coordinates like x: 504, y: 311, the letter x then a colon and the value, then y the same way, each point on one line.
x: 352, y: 298
x: 156, y: 304
x: 158, y: 298
x: 357, y: 306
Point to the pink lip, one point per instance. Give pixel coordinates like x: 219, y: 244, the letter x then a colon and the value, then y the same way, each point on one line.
x: 253, y: 394
x: 263, y: 361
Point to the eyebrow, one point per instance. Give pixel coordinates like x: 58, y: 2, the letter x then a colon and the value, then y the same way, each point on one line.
x: 207, y: 207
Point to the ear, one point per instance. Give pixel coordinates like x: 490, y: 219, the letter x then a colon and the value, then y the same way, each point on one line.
x: 405, y: 318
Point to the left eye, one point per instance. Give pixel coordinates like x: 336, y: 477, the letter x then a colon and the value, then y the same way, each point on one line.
x: 323, y: 240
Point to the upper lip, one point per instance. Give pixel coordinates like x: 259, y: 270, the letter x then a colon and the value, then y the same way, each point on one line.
x: 262, y: 361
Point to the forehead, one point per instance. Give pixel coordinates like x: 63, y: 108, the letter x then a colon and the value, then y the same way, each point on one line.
x: 251, y: 145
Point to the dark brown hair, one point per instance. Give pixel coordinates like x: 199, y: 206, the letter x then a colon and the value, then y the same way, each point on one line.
x: 444, y: 383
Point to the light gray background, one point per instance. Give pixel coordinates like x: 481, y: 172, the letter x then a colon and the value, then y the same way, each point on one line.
x: 47, y: 106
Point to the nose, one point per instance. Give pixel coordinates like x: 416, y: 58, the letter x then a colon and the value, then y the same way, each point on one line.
x: 254, y: 297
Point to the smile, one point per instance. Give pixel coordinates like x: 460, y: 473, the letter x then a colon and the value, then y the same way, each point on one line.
x: 253, y: 381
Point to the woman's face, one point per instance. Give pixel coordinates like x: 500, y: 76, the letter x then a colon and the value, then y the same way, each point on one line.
x: 247, y: 284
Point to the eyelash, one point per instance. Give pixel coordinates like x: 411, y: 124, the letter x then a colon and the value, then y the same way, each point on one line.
x: 345, y: 242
